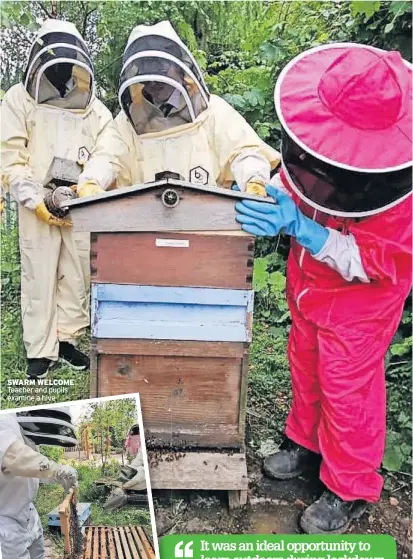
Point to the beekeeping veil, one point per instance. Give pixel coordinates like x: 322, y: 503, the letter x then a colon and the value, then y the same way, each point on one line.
x: 59, y: 70
x: 346, y: 116
x: 52, y: 427
x: 161, y: 85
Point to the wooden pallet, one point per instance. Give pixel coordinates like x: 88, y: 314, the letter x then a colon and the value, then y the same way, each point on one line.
x: 120, y: 542
x: 219, y: 471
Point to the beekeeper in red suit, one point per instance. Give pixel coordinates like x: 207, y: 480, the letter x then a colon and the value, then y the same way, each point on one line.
x: 344, y: 196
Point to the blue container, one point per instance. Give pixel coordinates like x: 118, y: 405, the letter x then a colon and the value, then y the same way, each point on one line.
x: 83, y: 512
x: 171, y: 313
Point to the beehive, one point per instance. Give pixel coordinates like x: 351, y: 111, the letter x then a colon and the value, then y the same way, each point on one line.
x: 172, y: 307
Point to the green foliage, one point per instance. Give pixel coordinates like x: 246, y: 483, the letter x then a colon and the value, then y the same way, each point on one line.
x: 367, y: 7
x: 269, y: 286
x: 14, y: 365
x: 402, y: 348
x: 386, y: 25
x: 13, y: 360
x: 398, y: 453
x: 88, y: 473
x: 109, y: 423
x: 55, y: 453
x: 10, y: 258
x: 122, y: 517
x: 269, y: 390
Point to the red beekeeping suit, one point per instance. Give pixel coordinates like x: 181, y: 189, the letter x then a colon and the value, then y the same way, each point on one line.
x: 339, y: 337
x: 346, y: 119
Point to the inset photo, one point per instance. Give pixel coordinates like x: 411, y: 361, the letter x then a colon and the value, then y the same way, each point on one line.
x: 74, y: 482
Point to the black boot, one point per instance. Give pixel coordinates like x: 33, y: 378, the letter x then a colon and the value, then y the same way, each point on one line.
x: 290, y: 461
x: 38, y: 368
x: 73, y: 357
x: 331, y: 515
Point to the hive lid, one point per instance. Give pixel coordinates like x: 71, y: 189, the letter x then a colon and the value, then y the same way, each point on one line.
x: 138, y: 188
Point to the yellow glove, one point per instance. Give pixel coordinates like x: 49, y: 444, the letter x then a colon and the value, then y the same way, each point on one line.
x: 43, y: 213
x: 89, y: 188
x: 256, y: 187
x: 2, y: 205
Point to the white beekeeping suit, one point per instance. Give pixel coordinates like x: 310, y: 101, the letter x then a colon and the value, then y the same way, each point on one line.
x: 53, y: 113
x: 21, y: 468
x: 170, y: 122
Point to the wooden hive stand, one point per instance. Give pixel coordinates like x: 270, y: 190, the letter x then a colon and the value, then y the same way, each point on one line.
x: 172, y: 308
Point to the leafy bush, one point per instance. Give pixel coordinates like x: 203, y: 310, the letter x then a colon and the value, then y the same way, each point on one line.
x: 55, y: 453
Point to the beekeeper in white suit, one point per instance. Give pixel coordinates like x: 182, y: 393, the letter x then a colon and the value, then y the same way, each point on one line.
x: 133, y: 475
x: 170, y: 122
x: 21, y: 468
x: 53, y: 113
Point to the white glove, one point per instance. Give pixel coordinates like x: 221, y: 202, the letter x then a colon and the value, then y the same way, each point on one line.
x: 66, y: 476
x: 250, y: 165
x: 138, y: 482
x: 21, y: 460
x: 116, y: 499
x: 26, y: 192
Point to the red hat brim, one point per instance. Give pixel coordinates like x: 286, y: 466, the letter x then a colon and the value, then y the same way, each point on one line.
x: 321, y: 133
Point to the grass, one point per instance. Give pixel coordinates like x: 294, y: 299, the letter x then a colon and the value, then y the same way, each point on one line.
x: 13, y: 355
x: 269, y: 386
x: 14, y: 365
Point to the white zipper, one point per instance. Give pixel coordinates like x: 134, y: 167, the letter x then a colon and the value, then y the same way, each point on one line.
x: 300, y: 261
x: 304, y: 291
x: 300, y: 296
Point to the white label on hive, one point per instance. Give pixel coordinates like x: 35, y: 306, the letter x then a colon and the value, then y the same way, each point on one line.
x: 180, y: 243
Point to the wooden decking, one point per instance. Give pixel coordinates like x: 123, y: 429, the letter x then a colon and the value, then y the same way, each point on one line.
x: 120, y: 542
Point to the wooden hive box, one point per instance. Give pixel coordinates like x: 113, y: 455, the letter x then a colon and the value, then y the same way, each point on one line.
x: 172, y: 305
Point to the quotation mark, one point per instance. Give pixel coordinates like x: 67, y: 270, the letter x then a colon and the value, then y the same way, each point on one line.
x: 185, y: 553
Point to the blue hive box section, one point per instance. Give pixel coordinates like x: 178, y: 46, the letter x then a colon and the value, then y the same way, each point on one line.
x: 83, y: 513
x: 171, y: 313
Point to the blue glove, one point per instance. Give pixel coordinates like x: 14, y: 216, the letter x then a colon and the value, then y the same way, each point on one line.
x: 268, y: 220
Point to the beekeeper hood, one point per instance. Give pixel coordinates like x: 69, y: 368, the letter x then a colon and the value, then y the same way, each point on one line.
x: 346, y: 115
x: 52, y: 427
x: 59, y: 69
x: 161, y: 85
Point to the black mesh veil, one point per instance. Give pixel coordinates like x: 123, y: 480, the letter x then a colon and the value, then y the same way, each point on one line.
x: 59, y: 71
x: 340, y: 191
x: 48, y: 427
x: 161, y: 86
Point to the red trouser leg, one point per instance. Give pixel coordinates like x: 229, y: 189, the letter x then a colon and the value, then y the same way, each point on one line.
x: 351, y: 432
x: 304, y: 417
